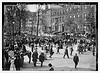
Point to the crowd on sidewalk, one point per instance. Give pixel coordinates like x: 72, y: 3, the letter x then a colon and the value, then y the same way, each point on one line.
x: 13, y: 53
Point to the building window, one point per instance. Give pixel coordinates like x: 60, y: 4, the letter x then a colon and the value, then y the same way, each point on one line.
x: 78, y: 6
x: 70, y: 9
x: 52, y: 13
x: 60, y: 12
x: 74, y: 16
x: 91, y: 6
x: 85, y: 19
x: 65, y: 12
x: 70, y: 16
x: 57, y: 13
x: 78, y: 9
x: 60, y: 19
x: 84, y: 14
x: 74, y: 7
x: 67, y: 9
x: 66, y: 16
x: 85, y: 7
x: 78, y: 15
x: 52, y: 20
x: 91, y: 13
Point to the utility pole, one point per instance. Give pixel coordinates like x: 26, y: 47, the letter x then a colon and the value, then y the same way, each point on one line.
x: 38, y: 18
x: 32, y: 25
x: 81, y: 19
x: 20, y: 19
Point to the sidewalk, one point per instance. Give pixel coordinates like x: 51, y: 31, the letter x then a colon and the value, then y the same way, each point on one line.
x: 87, y: 63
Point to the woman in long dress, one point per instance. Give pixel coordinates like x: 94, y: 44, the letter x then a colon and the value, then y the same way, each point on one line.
x: 12, y: 58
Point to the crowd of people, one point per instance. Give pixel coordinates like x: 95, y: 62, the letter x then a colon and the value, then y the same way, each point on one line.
x: 14, y: 52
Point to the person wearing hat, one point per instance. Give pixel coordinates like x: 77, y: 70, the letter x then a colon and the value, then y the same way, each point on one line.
x: 32, y: 44
x: 17, y: 63
x: 71, y: 50
x: 51, y: 51
x: 51, y: 68
x: 35, y: 57
x: 41, y: 58
x: 66, y: 52
x: 76, y: 60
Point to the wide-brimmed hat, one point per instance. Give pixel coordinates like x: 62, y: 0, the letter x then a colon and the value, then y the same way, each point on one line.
x: 50, y: 64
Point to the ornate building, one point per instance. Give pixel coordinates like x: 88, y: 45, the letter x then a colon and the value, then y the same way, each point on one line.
x: 72, y: 18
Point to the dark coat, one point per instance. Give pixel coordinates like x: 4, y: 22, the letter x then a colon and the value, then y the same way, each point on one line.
x: 17, y: 63
x: 32, y: 45
x: 35, y: 56
x: 41, y: 58
x: 71, y: 49
x: 24, y: 48
x: 66, y: 51
x: 76, y: 59
x: 6, y: 55
x: 7, y: 66
x: 51, y: 51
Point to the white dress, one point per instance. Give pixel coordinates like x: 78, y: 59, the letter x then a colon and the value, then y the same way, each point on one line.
x: 12, y: 58
x: 12, y: 66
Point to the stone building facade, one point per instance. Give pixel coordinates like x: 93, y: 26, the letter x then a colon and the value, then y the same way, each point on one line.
x: 72, y: 18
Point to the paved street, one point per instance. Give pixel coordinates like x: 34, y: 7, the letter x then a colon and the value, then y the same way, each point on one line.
x: 87, y: 63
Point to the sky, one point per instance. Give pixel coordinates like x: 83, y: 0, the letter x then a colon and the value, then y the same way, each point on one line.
x: 34, y: 7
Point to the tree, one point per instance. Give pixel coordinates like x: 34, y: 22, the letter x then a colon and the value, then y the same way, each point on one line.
x: 22, y: 16
x: 13, y: 18
x: 9, y: 19
x: 91, y: 20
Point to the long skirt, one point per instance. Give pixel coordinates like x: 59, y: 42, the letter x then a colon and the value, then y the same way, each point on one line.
x: 12, y: 66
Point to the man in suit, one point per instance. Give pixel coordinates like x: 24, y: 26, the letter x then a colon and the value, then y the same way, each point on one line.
x: 35, y: 57
x: 51, y: 51
x: 41, y: 58
x: 76, y: 60
x: 66, y: 53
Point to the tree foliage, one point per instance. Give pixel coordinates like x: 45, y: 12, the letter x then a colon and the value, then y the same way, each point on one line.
x: 14, y: 17
x: 91, y: 21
